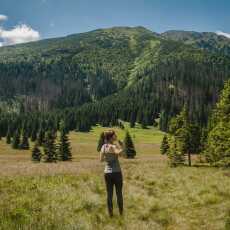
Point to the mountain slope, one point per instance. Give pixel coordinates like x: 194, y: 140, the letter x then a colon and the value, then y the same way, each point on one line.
x: 85, y: 66
x: 206, y: 40
x: 122, y: 72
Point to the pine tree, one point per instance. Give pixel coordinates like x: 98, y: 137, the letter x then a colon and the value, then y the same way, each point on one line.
x: 176, y: 157
x: 129, y: 148
x: 217, y: 151
x: 164, y: 145
x: 36, y: 153
x: 100, y: 142
x: 25, y: 142
x: 64, y: 151
x: 179, y: 129
x: 16, y: 140
x: 182, y: 139
x: 49, y: 146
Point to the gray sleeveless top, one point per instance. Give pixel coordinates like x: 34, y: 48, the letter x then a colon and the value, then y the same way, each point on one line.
x: 111, y: 160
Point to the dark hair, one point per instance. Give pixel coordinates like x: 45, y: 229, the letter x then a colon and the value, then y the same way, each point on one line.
x: 108, y: 135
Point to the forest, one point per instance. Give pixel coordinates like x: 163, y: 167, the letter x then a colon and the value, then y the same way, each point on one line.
x: 112, y: 75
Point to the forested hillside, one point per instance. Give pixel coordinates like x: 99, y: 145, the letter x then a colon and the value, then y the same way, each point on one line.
x: 207, y: 40
x: 123, y: 73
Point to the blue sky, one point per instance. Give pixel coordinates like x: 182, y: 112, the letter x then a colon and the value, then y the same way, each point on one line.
x: 55, y: 18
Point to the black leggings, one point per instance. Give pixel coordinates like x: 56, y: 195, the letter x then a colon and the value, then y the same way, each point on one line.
x: 112, y: 179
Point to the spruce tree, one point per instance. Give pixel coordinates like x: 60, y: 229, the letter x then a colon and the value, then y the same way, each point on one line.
x: 25, y: 142
x: 179, y: 130
x: 64, y: 151
x: 36, y: 153
x: 49, y: 146
x: 217, y: 150
x: 164, y: 145
x: 129, y: 148
x: 16, y: 140
x: 175, y: 155
x: 100, y: 142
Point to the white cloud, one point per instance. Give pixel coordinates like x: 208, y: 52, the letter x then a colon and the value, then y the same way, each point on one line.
x: 223, y: 34
x: 19, y: 34
x: 3, y: 18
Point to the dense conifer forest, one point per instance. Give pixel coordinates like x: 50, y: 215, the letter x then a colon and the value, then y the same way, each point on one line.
x: 105, y: 75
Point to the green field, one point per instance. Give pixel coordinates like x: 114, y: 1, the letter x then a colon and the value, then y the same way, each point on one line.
x: 72, y: 195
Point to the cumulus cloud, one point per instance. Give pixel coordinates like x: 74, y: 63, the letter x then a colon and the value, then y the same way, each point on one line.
x: 19, y: 34
x: 3, y: 18
x: 223, y: 34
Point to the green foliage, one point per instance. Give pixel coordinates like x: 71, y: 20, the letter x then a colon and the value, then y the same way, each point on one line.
x: 50, y: 154
x: 25, y: 142
x: 129, y: 148
x: 164, y: 145
x: 175, y: 155
x: 40, y: 137
x: 36, y: 153
x: 186, y: 136
x: 16, y: 140
x: 105, y: 75
x: 208, y: 41
x: 218, y: 144
x: 64, y: 150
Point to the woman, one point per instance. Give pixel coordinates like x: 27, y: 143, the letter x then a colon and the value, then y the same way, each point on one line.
x: 112, y: 173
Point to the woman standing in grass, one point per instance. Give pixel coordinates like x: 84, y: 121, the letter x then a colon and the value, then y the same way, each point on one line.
x: 109, y: 153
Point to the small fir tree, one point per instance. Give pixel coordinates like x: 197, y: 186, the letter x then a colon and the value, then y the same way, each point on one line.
x: 25, y: 141
x: 36, y: 153
x: 64, y: 150
x: 129, y: 148
x: 16, y: 140
x: 49, y: 146
x: 184, y: 135
x: 164, y: 145
x: 217, y: 150
x: 176, y: 157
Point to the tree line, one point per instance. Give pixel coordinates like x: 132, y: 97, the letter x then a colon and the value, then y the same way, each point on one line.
x: 211, y: 142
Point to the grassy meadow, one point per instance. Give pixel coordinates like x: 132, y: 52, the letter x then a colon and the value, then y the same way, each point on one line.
x: 71, y: 195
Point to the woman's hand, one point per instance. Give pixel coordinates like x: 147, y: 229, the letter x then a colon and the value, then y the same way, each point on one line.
x: 120, y: 143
